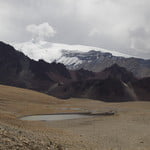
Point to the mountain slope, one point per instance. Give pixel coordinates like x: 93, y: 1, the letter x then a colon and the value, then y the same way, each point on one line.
x: 97, y: 61
x: 18, y: 70
x: 112, y: 84
x: 53, y: 51
x: 75, y: 57
x: 142, y: 87
x: 117, y: 72
x: 107, y: 90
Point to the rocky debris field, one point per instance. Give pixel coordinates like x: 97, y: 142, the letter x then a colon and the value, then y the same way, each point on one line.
x: 18, y: 139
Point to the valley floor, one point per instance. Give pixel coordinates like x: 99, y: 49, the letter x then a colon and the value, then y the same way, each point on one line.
x: 128, y: 129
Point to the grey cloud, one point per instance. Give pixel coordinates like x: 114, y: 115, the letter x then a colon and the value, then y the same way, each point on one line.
x: 140, y: 33
x: 140, y: 41
x: 118, y: 25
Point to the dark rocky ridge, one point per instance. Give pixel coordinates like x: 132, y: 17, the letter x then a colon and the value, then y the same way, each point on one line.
x: 97, y: 61
x: 117, y: 72
x: 106, y: 90
x: 114, y: 83
x: 18, y: 70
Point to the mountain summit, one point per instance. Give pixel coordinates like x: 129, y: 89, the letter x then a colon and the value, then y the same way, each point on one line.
x: 53, y: 51
x: 75, y: 57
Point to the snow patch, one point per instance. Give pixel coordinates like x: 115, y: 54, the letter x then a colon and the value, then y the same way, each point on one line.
x: 53, y: 51
x: 69, y: 60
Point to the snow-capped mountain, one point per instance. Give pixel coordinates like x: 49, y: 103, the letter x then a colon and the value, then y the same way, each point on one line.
x: 80, y: 56
x: 115, y: 83
x: 53, y: 51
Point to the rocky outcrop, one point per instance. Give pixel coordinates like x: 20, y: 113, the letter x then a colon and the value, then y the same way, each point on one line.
x: 117, y: 72
x: 113, y: 84
x: 97, y: 61
x: 16, y: 69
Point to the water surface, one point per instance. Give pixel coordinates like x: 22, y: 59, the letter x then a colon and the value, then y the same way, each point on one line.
x: 55, y: 117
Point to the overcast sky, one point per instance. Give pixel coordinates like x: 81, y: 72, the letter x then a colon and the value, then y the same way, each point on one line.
x: 120, y: 25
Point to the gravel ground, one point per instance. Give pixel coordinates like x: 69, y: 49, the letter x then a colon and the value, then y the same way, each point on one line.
x: 17, y: 139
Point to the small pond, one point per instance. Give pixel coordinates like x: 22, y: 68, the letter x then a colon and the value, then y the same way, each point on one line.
x: 55, y: 117
x: 66, y: 116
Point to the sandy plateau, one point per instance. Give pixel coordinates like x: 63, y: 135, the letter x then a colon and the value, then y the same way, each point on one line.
x: 127, y: 129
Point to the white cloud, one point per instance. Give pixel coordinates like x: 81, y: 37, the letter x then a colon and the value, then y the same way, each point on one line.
x: 41, y: 31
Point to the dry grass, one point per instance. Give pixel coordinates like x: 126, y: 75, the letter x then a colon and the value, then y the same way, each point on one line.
x: 128, y: 130
x: 17, y: 102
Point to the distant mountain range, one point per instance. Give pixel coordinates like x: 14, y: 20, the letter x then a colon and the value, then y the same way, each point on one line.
x: 75, y: 57
x: 114, y: 83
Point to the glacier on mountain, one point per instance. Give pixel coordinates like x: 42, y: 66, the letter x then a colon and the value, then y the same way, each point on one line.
x: 54, y: 51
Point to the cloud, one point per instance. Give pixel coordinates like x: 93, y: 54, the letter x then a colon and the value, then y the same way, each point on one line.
x: 112, y: 24
x: 140, y: 40
x: 41, y: 31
